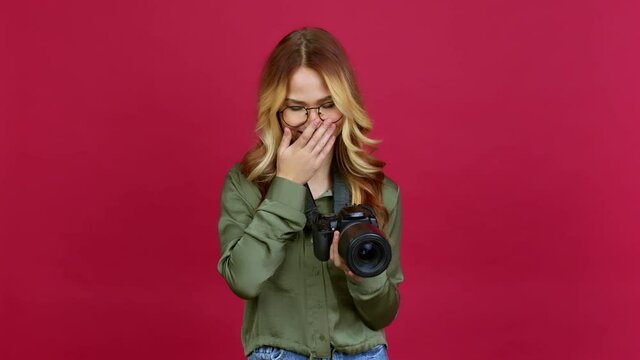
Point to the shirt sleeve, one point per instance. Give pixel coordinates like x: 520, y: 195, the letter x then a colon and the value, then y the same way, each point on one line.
x: 377, y: 299
x: 253, y: 239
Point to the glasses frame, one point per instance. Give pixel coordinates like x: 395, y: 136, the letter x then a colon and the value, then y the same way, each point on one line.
x: 306, y: 110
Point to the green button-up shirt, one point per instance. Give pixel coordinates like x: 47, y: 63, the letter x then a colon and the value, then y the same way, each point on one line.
x: 293, y: 300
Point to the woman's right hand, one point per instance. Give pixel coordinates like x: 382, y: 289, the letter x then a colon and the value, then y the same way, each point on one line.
x: 299, y: 161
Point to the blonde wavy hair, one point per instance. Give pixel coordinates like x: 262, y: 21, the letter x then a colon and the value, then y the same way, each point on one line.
x: 317, y: 49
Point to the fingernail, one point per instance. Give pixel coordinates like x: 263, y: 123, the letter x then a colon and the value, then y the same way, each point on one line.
x: 316, y: 122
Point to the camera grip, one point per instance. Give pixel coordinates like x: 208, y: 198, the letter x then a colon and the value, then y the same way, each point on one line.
x: 322, y: 244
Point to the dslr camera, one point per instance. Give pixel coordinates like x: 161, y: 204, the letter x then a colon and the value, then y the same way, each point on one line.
x: 362, y: 245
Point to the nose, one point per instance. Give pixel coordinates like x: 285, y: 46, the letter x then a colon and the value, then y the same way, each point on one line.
x: 313, y: 113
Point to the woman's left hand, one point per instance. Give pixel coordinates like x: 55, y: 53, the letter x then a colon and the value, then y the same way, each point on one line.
x: 337, y: 260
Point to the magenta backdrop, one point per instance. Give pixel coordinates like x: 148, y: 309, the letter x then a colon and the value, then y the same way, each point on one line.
x: 511, y: 127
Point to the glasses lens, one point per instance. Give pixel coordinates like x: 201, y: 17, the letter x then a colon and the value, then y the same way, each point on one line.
x: 297, y: 115
x: 329, y: 112
x: 294, y: 115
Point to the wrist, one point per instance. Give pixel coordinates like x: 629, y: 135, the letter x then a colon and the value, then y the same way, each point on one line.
x: 288, y: 193
x: 290, y: 178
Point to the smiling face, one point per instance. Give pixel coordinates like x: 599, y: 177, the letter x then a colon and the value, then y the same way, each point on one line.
x: 306, y: 88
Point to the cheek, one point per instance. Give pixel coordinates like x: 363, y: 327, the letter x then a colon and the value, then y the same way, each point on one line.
x: 295, y: 134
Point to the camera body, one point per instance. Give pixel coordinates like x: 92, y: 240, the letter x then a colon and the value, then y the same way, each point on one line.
x: 362, y: 244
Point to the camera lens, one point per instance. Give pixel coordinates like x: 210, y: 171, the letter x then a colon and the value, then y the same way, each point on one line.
x: 367, y: 252
x: 368, y: 255
x: 364, y: 248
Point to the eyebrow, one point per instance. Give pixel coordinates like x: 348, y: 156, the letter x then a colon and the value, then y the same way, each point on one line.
x: 304, y: 103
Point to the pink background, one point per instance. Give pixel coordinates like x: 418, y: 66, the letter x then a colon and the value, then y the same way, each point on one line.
x: 511, y: 127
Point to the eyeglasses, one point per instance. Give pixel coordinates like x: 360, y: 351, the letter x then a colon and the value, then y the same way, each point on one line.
x: 296, y: 115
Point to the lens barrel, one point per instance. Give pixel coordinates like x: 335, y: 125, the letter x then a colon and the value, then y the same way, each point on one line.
x: 365, y: 249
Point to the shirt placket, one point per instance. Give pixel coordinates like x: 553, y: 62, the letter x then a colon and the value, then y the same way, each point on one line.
x: 317, y: 320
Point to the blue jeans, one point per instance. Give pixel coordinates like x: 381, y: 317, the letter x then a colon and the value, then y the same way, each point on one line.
x: 378, y: 352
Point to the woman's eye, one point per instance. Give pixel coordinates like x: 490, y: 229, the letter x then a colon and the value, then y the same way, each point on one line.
x: 328, y: 105
x: 296, y: 108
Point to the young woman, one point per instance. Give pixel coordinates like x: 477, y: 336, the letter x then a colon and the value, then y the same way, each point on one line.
x: 312, y: 129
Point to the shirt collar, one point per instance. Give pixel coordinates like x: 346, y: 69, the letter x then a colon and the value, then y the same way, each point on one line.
x: 327, y: 193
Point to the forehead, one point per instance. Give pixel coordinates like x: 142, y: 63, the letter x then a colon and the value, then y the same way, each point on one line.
x: 307, y: 85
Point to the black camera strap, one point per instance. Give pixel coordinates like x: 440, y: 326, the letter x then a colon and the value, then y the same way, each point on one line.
x: 341, y: 196
x: 341, y: 191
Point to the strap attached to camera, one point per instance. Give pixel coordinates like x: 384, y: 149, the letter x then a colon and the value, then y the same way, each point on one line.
x: 341, y: 196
